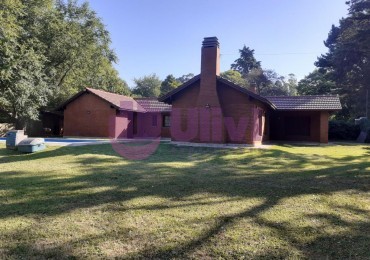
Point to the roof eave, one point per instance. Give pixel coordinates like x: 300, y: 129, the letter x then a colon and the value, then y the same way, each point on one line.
x: 65, y: 103
x: 188, y: 83
x: 247, y: 92
x: 307, y: 110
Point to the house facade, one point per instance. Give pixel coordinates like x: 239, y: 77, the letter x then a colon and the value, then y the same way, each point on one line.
x: 97, y: 113
x: 206, y: 109
x: 209, y: 108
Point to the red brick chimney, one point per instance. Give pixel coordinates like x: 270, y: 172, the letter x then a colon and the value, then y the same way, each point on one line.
x: 210, y: 69
x: 211, y: 127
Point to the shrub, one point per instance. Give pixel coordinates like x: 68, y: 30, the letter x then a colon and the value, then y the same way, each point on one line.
x: 343, y: 130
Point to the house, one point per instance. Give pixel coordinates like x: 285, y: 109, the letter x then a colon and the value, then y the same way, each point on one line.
x: 211, y: 109
x: 97, y: 113
x: 206, y: 109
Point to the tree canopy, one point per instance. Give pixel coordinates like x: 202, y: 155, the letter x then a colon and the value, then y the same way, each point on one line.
x: 246, y: 62
x: 247, y: 72
x: 49, y: 50
x: 147, y: 86
x: 235, y: 77
x: 316, y: 83
x: 185, y: 77
x: 348, y: 58
x: 168, y: 84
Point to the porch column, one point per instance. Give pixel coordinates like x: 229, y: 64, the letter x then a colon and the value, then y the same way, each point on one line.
x: 324, y: 126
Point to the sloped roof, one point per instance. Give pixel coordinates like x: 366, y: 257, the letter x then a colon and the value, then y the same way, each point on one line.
x: 306, y: 102
x: 167, y: 97
x: 323, y: 102
x: 119, y: 102
x: 153, y: 105
x: 246, y: 91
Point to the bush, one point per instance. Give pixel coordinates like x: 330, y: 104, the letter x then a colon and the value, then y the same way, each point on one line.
x: 343, y: 130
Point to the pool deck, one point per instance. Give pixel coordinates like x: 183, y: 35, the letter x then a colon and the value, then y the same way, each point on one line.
x: 87, y: 141
x: 74, y: 141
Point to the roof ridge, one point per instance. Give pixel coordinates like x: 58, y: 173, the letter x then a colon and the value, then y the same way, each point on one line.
x: 247, y: 91
x: 107, y: 92
x: 300, y: 96
x: 179, y: 88
x: 145, y: 98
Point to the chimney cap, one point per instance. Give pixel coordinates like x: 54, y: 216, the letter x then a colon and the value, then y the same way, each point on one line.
x: 210, y: 42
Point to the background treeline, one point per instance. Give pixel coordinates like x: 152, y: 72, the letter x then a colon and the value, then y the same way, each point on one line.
x: 51, y: 49
x: 344, y: 70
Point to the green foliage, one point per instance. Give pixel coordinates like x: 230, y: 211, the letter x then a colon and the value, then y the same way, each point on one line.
x: 170, y: 83
x: 348, y: 58
x: 23, y: 81
x: 270, y: 83
x: 147, y: 86
x: 247, y: 72
x: 235, y: 77
x: 79, y: 52
x: 343, y: 130
x: 50, y: 50
x: 185, y: 77
x: 291, y: 84
x: 246, y: 62
x: 316, y: 83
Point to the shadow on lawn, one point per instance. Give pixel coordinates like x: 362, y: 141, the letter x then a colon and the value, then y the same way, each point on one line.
x: 207, y: 171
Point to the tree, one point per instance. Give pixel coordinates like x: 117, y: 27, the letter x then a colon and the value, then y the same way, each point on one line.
x: 291, y: 85
x: 256, y: 78
x: 272, y: 84
x: 348, y: 58
x: 147, y: 86
x: 170, y: 83
x: 247, y: 72
x: 186, y: 77
x: 78, y: 50
x: 235, y: 77
x: 49, y: 50
x: 23, y: 82
x: 246, y: 62
x: 316, y: 83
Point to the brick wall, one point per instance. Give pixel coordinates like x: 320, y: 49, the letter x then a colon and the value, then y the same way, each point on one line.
x: 88, y: 116
x: 239, y: 109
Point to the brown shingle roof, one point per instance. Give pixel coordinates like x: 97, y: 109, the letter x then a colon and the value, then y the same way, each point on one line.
x: 120, y: 102
x: 246, y: 91
x: 153, y: 105
x: 306, y: 102
x: 167, y: 98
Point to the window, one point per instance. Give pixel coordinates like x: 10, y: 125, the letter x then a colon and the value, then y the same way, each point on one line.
x: 166, y: 121
x: 154, y: 120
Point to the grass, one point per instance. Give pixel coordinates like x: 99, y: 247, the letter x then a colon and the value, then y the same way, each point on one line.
x: 184, y: 202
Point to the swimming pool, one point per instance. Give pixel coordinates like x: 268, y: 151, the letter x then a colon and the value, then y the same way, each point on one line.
x: 67, y: 140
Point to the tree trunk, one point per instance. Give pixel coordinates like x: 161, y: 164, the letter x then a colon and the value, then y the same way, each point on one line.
x: 20, y: 124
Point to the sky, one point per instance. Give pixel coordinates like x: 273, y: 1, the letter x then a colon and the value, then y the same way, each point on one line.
x: 165, y: 36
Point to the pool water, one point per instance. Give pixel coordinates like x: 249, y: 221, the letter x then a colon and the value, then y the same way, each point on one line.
x: 63, y: 140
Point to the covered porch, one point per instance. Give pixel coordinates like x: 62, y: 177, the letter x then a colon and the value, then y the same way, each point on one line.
x: 309, y: 126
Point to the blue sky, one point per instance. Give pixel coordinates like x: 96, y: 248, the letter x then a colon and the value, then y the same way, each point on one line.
x: 164, y: 37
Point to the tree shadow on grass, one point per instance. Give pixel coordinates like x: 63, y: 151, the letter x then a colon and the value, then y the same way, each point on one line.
x: 177, y: 174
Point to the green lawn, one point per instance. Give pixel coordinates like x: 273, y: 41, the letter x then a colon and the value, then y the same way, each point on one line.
x: 183, y: 202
